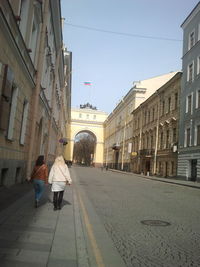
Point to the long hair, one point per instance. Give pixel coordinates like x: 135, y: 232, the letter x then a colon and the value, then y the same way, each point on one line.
x: 40, y: 161
x: 59, y: 160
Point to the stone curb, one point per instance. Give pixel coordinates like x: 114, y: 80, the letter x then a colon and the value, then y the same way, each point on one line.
x: 164, y: 180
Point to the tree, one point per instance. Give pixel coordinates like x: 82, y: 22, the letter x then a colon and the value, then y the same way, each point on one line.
x: 84, y: 148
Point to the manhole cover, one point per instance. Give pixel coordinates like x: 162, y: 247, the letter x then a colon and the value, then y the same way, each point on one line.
x: 155, y: 223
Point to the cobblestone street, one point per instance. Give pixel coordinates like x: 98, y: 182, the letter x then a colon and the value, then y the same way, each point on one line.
x: 123, y: 202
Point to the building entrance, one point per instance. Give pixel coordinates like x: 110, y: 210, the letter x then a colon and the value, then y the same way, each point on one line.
x: 193, y: 169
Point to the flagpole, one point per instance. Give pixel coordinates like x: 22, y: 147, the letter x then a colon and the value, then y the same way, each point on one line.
x: 90, y: 91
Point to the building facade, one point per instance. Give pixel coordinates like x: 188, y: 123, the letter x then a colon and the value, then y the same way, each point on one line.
x: 155, y: 131
x: 189, y: 133
x: 87, y: 120
x: 32, y: 85
x: 118, y: 125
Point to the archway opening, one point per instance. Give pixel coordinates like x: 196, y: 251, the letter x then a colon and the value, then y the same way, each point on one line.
x: 84, y: 148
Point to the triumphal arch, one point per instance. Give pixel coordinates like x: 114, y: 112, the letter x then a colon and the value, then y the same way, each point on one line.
x: 87, y: 119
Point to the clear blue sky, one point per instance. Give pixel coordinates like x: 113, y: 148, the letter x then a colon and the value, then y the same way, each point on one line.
x: 112, y: 62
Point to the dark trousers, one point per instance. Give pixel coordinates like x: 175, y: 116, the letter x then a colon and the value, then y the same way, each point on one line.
x: 57, y: 199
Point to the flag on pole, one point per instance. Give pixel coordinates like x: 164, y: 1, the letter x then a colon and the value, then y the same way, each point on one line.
x: 87, y: 83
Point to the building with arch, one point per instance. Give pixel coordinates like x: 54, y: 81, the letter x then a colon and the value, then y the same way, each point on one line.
x: 90, y: 120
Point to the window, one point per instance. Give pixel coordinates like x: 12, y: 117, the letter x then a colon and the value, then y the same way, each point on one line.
x: 163, y: 107
x: 161, y: 140
x: 191, y: 40
x: 174, y: 135
x: 198, y: 65
x: 189, y: 104
x: 151, y: 141
x: 13, y: 108
x: 167, y: 139
x: 199, y: 32
x: 145, y: 118
x: 198, y: 99
x: 6, y: 98
x: 33, y: 40
x: 169, y: 104
x: 187, y: 137
x: 153, y: 114
x: 198, y: 135
x: 24, y: 122
x: 176, y: 101
x: 190, y: 72
x: 80, y: 115
x: 87, y: 116
x: 24, y: 16
x: 94, y: 117
x: 148, y: 118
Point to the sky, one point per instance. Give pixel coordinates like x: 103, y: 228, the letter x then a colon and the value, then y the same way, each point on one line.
x: 149, y: 44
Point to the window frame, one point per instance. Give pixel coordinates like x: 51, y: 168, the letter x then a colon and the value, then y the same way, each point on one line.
x: 188, y: 137
x: 24, y: 122
x: 189, y: 40
x: 189, y: 110
x: 13, y: 108
x: 198, y: 65
x: 190, y: 79
x: 198, y: 98
x: 198, y: 38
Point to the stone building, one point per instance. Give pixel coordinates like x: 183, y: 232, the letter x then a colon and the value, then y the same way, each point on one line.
x: 118, y: 125
x: 155, y: 131
x: 32, y: 85
x: 189, y: 137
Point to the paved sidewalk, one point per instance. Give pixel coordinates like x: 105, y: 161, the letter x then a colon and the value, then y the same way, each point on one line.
x: 38, y: 237
x: 165, y: 180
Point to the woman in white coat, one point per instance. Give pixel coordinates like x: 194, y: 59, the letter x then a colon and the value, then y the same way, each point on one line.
x: 59, y: 176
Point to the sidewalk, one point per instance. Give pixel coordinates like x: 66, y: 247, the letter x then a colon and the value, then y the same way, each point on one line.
x: 37, y: 237
x: 165, y: 180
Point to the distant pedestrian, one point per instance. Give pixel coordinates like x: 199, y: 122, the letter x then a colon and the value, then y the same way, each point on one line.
x: 59, y: 176
x: 39, y: 177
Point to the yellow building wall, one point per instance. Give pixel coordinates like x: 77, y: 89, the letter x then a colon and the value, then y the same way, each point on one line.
x: 87, y: 120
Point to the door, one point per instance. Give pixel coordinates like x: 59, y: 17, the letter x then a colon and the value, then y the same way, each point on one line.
x: 193, y: 169
x: 116, y: 159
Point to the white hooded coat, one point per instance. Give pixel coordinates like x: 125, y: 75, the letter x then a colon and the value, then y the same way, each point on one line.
x: 59, y: 173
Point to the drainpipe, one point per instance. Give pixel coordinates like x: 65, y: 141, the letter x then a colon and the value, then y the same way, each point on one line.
x: 36, y: 94
x: 157, y: 132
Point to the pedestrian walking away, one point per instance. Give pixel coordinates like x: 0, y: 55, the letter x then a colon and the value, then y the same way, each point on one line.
x: 59, y: 177
x: 39, y: 177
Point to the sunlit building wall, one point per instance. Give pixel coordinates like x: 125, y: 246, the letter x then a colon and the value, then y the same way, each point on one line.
x: 118, y: 126
x: 32, y: 85
x: 189, y: 138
